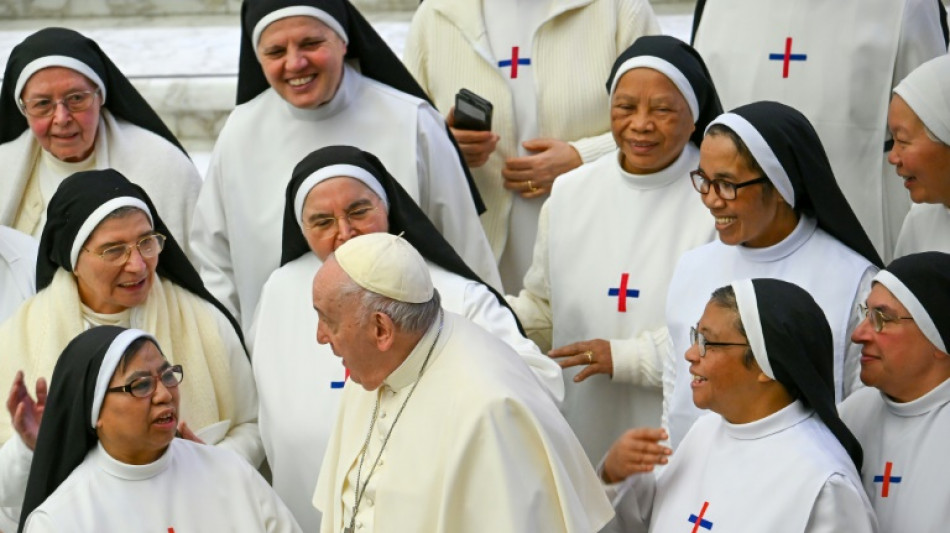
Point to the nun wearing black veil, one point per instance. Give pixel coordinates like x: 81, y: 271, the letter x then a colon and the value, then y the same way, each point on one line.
x: 337, y: 193
x: 64, y: 108
x: 779, y: 213
x: 609, y: 236
x: 107, y: 258
x: 107, y: 458
x: 773, y: 455
x: 314, y: 73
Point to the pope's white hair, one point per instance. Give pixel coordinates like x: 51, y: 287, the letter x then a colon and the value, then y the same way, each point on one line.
x: 408, y: 317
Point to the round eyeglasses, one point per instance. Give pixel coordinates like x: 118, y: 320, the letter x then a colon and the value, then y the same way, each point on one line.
x: 698, y: 339
x: 877, y: 318
x: 143, y: 387
x: 725, y: 189
x: 148, y: 246
x: 44, y: 107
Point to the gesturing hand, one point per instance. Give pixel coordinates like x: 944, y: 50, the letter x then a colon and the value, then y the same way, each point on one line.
x: 25, y: 412
x: 636, y: 451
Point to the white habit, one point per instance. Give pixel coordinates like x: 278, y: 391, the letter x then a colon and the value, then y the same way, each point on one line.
x: 146, y: 159
x: 300, y: 382
x: 17, y: 270
x: 837, y: 277
x: 479, y: 447
x: 241, y: 203
x: 459, y: 43
x: 926, y: 229
x: 607, y: 245
x: 836, y: 62
x: 905, y: 456
x: 726, y: 477
x: 192, y: 487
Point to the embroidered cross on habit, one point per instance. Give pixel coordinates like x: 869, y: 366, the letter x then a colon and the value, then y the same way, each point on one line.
x: 339, y: 384
x: 514, y: 62
x: 623, y: 293
x: 787, y: 57
x: 699, y: 521
x: 887, y: 479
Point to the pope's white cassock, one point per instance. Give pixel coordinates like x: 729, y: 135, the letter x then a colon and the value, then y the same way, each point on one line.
x: 836, y: 62
x: 17, y: 269
x: 905, y: 456
x: 926, y: 229
x: 240, y: 204
x: 837, y: 277
x: 479, y: 447
x: 300, y: 382
x: 191, y: 488
x: 786, y: 473
x: 607, y: 244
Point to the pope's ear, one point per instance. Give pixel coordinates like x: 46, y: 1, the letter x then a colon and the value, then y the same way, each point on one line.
x: 383, y: 331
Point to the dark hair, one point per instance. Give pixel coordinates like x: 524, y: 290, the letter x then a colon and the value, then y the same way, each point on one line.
x: 133, y: 349
x: 725, y: 297
x: 721, y: 130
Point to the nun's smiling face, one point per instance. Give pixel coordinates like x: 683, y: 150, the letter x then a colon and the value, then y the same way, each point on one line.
x: 923, y: 162
x: 136, y: 430
x: 650, y: 121
x: 898, y: 360
x: 721, y: 381
x: 338, y: 209
x: 302, y: 60
x: 111, y: 288
x: 758, y: 216
x: 67, y: 135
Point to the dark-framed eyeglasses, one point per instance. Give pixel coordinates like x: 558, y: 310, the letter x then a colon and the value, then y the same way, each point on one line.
x: 44, y: 107
x: 698, y: 339
x: 328, y: 223
x: 148, y: 246
x: 143, y: 387
x: 877, y: 318
x: 725, y: 189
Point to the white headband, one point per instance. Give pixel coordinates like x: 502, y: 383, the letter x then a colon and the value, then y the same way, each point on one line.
x: 297, y: 11
x: 336, y: 171
x: 97, y: 216
x: 57, y: 61
x: 913, y: 305
x: 749, y: 313
x: 761, y: 151
x: 109, y: 364
x: 926, y: 92
x: 667, y: 69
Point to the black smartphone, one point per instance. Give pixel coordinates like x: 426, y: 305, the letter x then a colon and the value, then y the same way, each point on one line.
x: 472, y: 112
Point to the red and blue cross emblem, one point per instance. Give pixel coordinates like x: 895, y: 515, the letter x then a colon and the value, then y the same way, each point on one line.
x: 887, y: 479
x: 514, y: 62
x: 339, y: 384
x: 699, y: 521
x: 787, y: 57
x: 623, y: 293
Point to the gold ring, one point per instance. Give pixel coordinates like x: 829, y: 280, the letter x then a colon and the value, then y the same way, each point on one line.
x: 590, y: 357
x: 531, y: 187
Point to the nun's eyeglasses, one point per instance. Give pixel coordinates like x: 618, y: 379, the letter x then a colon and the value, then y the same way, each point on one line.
x: 148, y: 246
x: 725, y: 189
x: 328, y: 223
x: 877, y: 318
x: 44, y: 107
x: 144, y: 386
x: 698, y: 339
